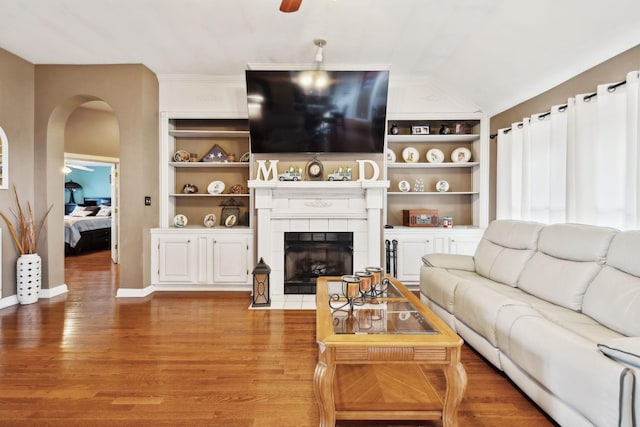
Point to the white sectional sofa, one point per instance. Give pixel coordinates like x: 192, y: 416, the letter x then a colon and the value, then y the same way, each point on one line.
x: 557, y: 308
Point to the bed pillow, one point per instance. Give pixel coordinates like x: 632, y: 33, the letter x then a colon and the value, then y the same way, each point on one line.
x: 79, y: 211
x: 93, y: 210
x: 104, y: 211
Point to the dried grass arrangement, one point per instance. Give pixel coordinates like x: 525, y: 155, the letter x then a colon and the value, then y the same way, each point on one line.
x: 26, y: 234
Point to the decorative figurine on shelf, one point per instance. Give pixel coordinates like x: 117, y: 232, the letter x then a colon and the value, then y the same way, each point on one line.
x: 444, y: 130
x: 394, y: 130
x: 419, y: 185
x: 215, y: 154
x: 190, y: 189
x: 294, y: 173
x: 343, y: 173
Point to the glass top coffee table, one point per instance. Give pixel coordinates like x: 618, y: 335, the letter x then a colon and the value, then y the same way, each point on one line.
x: 371, y: 359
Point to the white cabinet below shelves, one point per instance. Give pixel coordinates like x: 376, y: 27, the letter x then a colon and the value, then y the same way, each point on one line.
x: 176, y: 259
x: 201, y: 259
x: 415, y: 242
x: 228, y: 266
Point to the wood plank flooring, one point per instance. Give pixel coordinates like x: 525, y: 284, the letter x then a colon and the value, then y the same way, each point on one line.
x: 184, y: 359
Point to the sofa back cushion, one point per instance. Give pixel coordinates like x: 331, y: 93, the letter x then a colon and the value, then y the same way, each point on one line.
x: 505, y: 248
x: 569, y: 257
x: 613, y: 298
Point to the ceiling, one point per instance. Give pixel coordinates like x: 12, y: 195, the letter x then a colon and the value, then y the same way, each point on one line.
x: 495, y: 53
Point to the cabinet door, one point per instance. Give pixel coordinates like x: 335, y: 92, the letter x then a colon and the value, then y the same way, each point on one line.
x: 409, y: 257
x: 231, y: 259
x: 177, y: 259
x: 464, y: 245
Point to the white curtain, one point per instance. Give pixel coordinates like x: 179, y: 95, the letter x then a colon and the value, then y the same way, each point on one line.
x: 576, y: 163
x: 531, y: 170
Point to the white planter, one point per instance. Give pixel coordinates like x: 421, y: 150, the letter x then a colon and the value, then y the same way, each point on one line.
x: 28, y: 278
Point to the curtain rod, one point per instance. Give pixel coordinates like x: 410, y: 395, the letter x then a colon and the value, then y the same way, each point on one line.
x: 587, y: 98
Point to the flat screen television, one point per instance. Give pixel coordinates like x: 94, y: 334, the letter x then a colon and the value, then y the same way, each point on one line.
x: 317, y: 111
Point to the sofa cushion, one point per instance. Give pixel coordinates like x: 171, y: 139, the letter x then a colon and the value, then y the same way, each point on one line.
x: 478, y: 307
x: 576, y: 242
x: 568, y: 258
x: 566, y: 363
x: 505, y: 248
x: 557, y: 280
x: 613, y: 298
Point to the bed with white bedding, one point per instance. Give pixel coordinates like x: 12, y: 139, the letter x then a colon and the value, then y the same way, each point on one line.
x: 87, y: 228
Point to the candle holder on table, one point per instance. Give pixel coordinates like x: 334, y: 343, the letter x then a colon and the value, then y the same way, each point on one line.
x: 350, y: 296
x: 379, y: 284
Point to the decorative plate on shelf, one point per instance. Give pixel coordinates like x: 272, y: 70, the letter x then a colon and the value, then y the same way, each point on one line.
x: 461, y: 155
x: 410, y: 155
x: 230, y: 221
x: 404, y: 186
x: 209, y: 220
x: 180, y: 220
x: 435, y: 155
x: 442, y: 186
x: 181, y: 156
x: 245, y: 157
x: 215, y: 187
x: 391, y: 156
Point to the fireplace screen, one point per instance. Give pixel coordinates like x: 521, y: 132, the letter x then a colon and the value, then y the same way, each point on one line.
x: 308, y: 255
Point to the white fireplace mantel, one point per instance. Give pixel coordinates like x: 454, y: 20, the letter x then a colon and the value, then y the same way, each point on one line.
x: 354, y: 206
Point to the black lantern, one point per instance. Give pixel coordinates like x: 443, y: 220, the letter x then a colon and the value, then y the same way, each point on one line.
x: 261, y: 296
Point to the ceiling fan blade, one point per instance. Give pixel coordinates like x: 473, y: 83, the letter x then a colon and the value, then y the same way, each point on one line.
x: 84, y: 168
x: 288, y: 6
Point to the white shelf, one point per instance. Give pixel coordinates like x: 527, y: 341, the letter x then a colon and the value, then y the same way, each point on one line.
x: 429, y: 193
x: 433, y: 138
x: 209, y: 164
x: 209, y: 133
x: 208, y: 195
x: 424, y: 165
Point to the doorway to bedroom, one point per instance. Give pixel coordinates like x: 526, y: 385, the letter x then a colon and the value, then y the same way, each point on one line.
x: 91, y: 188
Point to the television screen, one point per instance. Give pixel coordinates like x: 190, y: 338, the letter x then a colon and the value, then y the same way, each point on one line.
x: 317, y: 111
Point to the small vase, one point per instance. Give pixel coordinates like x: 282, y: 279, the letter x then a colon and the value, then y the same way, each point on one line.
x: 28, y: 278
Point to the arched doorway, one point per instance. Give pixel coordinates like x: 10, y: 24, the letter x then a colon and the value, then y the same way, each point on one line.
x: 91, y: 165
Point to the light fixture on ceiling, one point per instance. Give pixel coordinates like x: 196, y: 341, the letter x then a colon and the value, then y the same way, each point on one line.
x: 320, y: 43
x: 316, y: 79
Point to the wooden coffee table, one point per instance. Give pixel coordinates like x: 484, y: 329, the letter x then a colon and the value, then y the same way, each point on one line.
x: 370, y: 363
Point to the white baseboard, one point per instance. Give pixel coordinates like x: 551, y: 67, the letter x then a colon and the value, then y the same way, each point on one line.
x: 8, y: 301
x: 44, y: 293
x: 135, y: 293
x: 54, y: 292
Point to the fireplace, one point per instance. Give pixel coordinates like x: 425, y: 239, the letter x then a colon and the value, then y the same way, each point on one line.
x: 308, y: 255
x: 318, y: 207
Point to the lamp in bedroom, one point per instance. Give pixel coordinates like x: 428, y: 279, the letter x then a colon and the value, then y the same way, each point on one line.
x: 72, y: 187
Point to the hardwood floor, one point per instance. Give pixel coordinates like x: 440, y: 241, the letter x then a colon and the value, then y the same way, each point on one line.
x: 184, y: 359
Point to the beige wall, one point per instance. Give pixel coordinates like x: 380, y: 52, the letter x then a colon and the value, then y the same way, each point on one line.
x: 92, y: 132
x: 132, y: 93
x: 613, y: 70
x: 16, y: 118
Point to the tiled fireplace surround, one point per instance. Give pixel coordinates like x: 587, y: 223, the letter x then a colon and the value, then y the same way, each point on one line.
x: 317, y: 206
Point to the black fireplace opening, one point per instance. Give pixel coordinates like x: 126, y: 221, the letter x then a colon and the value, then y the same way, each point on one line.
x: 309, y: 255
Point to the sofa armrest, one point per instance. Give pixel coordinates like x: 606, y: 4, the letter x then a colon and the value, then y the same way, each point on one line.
x: 453, y: 261
x: 625, y: 350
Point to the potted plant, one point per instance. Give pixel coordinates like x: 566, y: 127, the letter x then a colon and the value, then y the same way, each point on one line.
x: 25, y: 236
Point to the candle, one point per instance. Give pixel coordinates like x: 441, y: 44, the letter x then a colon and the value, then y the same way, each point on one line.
x: 352, y: 289
x: 365, y: 280
x: 350, y: 286
x: 375, y: 275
